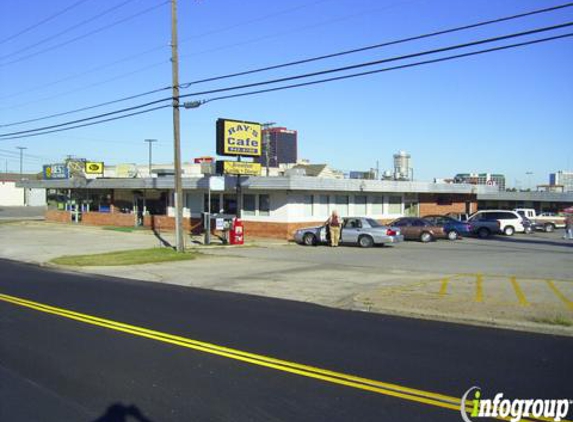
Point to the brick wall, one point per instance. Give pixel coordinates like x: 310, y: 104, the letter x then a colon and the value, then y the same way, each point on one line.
x: 163, y: 222
x: 443, y: 204
x: 56, y: 216
x: 274, y: 230
x: 93, y: 218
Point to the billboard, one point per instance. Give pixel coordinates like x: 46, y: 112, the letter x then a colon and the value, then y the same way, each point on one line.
x: 55, y: 171
x: 240, y: 168
x: 94, y: 167
x: 238, y: 138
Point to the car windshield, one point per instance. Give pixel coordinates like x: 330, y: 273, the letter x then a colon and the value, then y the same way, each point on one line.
x: 373, y: 223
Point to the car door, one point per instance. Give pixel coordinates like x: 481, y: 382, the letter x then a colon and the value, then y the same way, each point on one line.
x: 351, y: 230
x: 405, y: 228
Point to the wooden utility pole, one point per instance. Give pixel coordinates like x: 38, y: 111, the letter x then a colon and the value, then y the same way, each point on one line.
x: 178, y: 194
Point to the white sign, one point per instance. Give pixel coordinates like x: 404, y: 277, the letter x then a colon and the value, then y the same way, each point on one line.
x: 219, y: 224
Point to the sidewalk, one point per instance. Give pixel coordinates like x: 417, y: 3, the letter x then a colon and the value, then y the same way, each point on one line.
x: 490, y: 302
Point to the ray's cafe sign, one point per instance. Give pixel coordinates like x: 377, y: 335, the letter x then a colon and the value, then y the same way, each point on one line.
x: 237, y: 138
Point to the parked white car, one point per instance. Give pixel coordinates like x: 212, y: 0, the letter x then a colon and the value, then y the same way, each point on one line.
x: 510, y: 222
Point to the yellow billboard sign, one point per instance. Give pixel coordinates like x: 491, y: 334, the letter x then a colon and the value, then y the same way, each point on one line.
x: 93, y: 167
x: 240, y: 168
x: 238, y: 138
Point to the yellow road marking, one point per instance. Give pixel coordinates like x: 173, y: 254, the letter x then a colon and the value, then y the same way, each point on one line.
x: 518, y: 292
x: 387, y: 389
x: 560, y: 295
x: 444, y: 287
x: 479, y: 288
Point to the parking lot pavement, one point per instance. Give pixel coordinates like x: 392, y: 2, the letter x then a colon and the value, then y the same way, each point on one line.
x: 22, y: 213
x: 522, y: 282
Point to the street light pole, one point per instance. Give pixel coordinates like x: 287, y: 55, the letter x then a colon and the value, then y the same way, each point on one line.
x: 150, y: 142
x: 178, y: 194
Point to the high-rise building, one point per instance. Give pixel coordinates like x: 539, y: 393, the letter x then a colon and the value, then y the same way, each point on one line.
x: 279, y: 147
x: 481, y: 179
x: 562, y: 178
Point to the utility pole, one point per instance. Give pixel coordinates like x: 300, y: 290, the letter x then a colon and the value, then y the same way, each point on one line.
x: 267, y: 144
x: 178, y: 194
x: 150, y: 142
x: 21, y: 160
x: 22, y: 169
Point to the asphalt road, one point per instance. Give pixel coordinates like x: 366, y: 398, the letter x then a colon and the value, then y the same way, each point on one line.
x: 55, y: 368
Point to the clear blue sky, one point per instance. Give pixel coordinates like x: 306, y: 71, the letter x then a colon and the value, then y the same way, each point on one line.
x: 506, y: 112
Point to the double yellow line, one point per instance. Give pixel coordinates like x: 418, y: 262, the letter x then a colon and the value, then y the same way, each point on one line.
x: 387, y: 389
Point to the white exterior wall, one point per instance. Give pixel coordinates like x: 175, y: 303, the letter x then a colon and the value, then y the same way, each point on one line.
x: 10, y: 195
x: 295, y: 207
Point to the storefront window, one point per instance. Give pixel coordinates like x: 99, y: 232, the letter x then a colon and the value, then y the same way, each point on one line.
x: 360, y: 205
x: 265, y: 205
x: 377, y: 205
x: 342, y: 205
x: 215, y: 203
x: 395, y: 205
x: 307, y: 205
x: 230, y: 204
x: 249, y: 206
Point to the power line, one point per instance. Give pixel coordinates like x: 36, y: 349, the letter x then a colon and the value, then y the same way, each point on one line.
x: 380, y: 45
x: 43, y: 21
x: 154, y: 49
x: 91, y: 123
x: 332, y: 79
x: 79, y: 37
x: 391, y: 59
x: 131, y: 97
x: 307, y: 60
x: 405, y: 66
x: 302, y: 76
x: 111, y: 113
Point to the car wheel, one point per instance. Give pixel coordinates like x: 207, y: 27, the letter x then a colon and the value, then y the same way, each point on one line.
x: 509, y: 231
x: 549, y: 228
x: 528, y: 230
x: 309, y: 239
x: 365, y: 242
x: 426, y: 237
x: 453, y: 235
x: 483, y: 233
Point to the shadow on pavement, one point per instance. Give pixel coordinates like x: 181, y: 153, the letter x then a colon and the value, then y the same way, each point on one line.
x: 117, y: 412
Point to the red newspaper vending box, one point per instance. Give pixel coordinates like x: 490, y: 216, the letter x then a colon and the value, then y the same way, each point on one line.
x: 237, y: 234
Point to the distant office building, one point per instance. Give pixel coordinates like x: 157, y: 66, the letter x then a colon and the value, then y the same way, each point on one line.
x: 481, y: 179
x: 562, y: 178
x: 281, y: 147
x: 365, y: 175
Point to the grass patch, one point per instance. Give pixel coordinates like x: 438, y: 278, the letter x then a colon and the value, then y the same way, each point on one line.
x: 131, y: 257
x: 118, y: 229
x: 554, y: 320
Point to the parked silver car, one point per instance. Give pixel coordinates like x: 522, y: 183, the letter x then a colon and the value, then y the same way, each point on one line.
x: 361, y: 231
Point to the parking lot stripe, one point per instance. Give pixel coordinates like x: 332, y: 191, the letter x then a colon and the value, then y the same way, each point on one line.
x: 479, y: 288
x: 444, y: 287
x: 518, y: 292
x: 560, y: 295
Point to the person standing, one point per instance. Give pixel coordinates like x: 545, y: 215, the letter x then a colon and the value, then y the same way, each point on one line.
x: 334, y: 224
x: 568, y: 227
